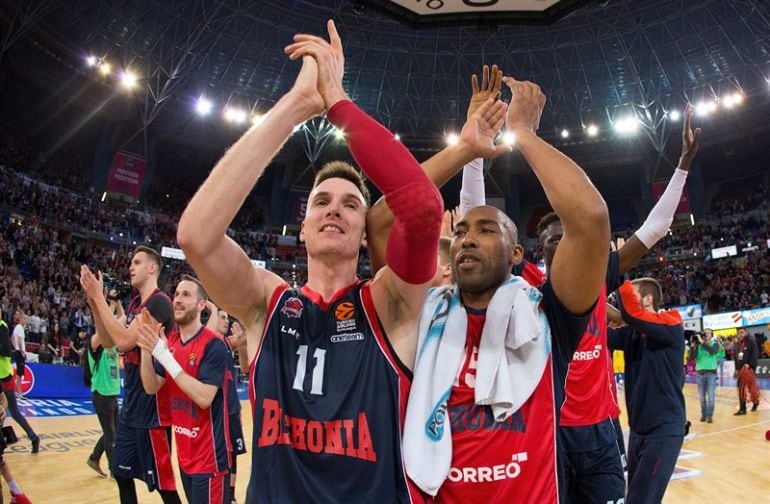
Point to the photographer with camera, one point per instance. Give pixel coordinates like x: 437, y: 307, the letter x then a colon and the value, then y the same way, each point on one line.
x: 8, y: 437
x: 104, y: 377
x: 9, y: 385
x: 704, y: 351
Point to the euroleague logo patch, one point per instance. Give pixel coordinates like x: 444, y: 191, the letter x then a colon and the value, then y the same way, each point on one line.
x: 292, y: 307
x: 191, y: 358
x: 345, y: 311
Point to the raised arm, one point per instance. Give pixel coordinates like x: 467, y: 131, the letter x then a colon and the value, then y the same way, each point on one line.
x: 665, y: 327
x: 579, y: 265
x: 476, y: 141
x: 223, y: 267
x: 657, y: 223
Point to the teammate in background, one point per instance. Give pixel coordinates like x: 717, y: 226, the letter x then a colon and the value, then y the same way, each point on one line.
x: 334, y: 362
x: 494, y: 372
x: 17, y: 495
x: 588, y: 417
x: 9, y: 386
x: 653, y: 347
x: 143, y: 440
x: 705, y: 351
x: 194, y: 362
x: 219, y: 322
x: 19, y: 341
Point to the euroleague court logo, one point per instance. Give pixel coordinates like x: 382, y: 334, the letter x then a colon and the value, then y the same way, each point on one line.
x: 27, y: 381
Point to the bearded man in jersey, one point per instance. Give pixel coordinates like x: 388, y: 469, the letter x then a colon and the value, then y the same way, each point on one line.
x: 331, y: 362
x: 592, y: 455
x: 143, y: 439
x: 481, y: 424
x: 194, y: 362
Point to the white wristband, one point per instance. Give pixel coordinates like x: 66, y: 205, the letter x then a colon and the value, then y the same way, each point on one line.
x: 166, y: 359
x: 657, y: 223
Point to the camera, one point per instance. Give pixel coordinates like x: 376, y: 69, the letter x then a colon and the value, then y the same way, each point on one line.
x: 116, y: 290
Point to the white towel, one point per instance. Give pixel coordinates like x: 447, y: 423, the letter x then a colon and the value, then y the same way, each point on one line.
x: 514, y: 350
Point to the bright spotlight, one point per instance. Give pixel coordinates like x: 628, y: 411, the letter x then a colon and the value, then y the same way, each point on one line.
x: 592, y: 130
x: 452, y: 139
x: 565, y: 133
x: 397, y: 137
x: 339, y: 134
x: 258, y: 119
x: 128, y: 79
x: 509, y: 138
x: 705, y: 108
x: 235, y: 116
x: 203, y: 106
x: 105, y: 68
x: 674, y: 115
x: 627, y: 124
x: 738, y: 98
x: 91, y: 60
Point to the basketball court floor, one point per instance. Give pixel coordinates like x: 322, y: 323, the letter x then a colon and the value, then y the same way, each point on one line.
x: 727, y: 461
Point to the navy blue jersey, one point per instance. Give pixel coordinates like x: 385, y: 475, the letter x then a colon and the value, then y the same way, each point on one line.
x: 141, y: 410
x: 653, y: 344
x: 328, y: 399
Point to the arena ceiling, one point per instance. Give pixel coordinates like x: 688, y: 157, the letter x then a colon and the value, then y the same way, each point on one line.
x: 408, y: 63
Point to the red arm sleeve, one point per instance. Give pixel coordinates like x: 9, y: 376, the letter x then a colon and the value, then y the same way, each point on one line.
x: 665, y: 327
x: 414, y: 200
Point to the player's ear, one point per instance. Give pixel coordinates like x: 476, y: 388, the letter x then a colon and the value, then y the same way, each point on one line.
x: 302, y: 231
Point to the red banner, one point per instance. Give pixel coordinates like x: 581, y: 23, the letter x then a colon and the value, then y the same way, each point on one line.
x: 126, y: 174
x: 684, y: 202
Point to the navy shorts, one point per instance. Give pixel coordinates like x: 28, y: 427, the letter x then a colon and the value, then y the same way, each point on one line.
x: 206, y: 488
x: 144, y: 454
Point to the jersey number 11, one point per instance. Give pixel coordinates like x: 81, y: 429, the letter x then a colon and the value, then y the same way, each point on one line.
x: 318, y: 370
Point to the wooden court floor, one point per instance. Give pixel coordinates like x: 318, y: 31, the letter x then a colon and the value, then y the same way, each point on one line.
x: 733, y: 460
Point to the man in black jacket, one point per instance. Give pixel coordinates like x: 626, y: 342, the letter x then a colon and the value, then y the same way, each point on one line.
x: 746, y: 354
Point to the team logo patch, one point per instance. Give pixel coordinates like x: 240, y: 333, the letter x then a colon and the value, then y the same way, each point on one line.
x: 292, y: 307
x: 191, y: 358
x: 344, y: 311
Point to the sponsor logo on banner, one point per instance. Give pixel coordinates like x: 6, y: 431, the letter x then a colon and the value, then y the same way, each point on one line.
x: 760, y: 316
x: 722, y: 320
x: 689, y: 312
x: 499, y: 472
x: 27, y: 381
x: 292, y: 307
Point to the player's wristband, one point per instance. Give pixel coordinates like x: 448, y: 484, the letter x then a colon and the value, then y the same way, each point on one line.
x: 166, y: 359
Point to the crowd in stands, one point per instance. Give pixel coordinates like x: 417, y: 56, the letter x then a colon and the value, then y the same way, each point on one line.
x: 49, y: 225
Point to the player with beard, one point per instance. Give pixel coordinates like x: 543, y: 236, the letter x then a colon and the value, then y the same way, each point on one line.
x: 330, y: 372
x: 143, y: 440
x: 588, y: 416
x: 465, y: 442
x: 192, y: 362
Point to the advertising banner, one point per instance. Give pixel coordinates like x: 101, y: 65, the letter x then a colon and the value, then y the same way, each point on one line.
x: 722, y: 320
x: 758, y: 316
x: 126, y: 174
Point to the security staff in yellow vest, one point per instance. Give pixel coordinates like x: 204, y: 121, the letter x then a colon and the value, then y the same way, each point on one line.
x: 9, y: 386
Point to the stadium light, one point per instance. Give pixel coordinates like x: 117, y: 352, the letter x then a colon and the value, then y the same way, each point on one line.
x: 397, y: 137
x: 339, y: 134
x: 565, y: 133
x: 592, y: 130
x: 674, y: 115
x: 627, y: 124
x: 128, y: 79
x: 509, y: 138
x: 105, y: 68
x: 203, y: 106
x: 91, y: 60
x: 452, y: 139
x: 258, y: 119
x: 235, y: 116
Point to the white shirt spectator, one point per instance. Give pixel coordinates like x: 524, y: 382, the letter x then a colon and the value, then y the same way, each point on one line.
x: 19, y: 338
